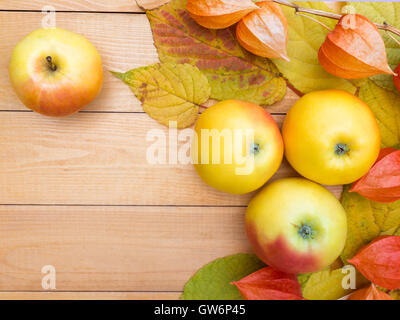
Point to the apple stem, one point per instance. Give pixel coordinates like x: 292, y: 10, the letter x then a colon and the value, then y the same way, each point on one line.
x: 341, y: 149
x: 51, y: 64
x: 255, y: 148
x: 306, y: 232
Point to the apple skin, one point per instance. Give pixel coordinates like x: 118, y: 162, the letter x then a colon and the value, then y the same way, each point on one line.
x: 320, y: 122
x: 76, y: 81
x: 274, y: 219
x: 241, y: 115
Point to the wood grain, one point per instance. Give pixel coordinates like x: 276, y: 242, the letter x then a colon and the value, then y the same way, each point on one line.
x: 114, y: 248
x: 89, y: 295
x: 124, y: 41
x: 96, y: 159
x: 73, y: 5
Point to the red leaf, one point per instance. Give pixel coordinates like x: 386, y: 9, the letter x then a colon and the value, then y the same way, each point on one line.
x: 379, y: 262
x: 269, y: 284
x: 382, y: 182
x: 370, y: 293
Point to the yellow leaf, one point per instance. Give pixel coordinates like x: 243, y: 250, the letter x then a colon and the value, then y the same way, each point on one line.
x: 386, y: 107
x: 366, y: 220
x: 395, y: 294
x: 326, y: 285
x: 305, y: 38
x: 169, y: 92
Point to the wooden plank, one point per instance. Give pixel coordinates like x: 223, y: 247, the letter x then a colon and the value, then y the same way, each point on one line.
x: 90, y: 295
x: 114, y: 248
x: 73, y: 5
x: 124, y: 41
x: 97, y: 159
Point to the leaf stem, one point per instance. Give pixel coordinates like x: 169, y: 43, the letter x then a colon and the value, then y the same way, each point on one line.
x: 384, y: 26
x: 313, y: 19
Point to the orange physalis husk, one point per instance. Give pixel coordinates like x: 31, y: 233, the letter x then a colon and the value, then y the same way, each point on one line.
x: 397, y: 77
x: 370, y: 293
x: 354, y: 49
x: 219, y: 14
x: 379, y: 262
x: 264, y: 31
x: 269, y: 284
x: 382, y: 182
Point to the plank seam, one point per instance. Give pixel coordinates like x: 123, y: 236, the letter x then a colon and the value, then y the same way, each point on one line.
x: 120, y: 205
x: 69, y: 11
x: 116, y: 112
x: 85, y: 291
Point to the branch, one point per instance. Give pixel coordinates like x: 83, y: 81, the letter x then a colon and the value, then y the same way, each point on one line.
x: 385, y: 26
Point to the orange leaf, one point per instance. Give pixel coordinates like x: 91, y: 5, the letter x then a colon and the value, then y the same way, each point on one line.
x: 370, y: 293
x: 269, y: 284
x: 219, y: 14
x: 263, y: 32
x: 382, y: 182
x: 379, y: 262
x: 354, y: 49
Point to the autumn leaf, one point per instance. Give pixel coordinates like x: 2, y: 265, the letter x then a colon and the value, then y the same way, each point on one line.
x: 380, y: 12
x: 395, y: 294
x: 233, y: 73
x: 386, y: 108
x: 366, y: 220
x: 269, y: 284
x: 382, y: 182
x: 326, y: 284
x: 169, y: 92
x: 379, y: 261
x: 213, y: 281
x: 370, y: 293
x: 304, y: 71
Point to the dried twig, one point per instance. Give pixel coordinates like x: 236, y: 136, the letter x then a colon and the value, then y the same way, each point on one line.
x: 384, y: 26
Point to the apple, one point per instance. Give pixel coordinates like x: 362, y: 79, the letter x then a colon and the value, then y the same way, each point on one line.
x: 331, y: 137
x: 237, y: 146
x: 55, y: 72
x: 296, y: 226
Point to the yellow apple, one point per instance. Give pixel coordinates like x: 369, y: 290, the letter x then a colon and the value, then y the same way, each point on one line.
x: 237, y: 146
x: 331, y: 137
x: 56, y: 72
x: 296, y: 226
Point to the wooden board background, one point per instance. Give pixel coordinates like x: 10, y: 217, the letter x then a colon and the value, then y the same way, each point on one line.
x: 78, y: 194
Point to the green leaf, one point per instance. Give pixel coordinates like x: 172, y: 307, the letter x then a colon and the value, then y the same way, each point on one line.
x: 380, y: 12
x: 305, y: 38
x: 233, y: 73
x: 326, y: 284
x: 386, y: 107
x: 212, y: 282
x: 366, y: 220
x: 169, y: 92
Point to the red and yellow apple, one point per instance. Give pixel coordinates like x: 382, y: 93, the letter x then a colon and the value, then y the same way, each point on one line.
x: 56, y: 72
x: 237, y: 146
x: 331, y: 137
x: 296, y: 226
